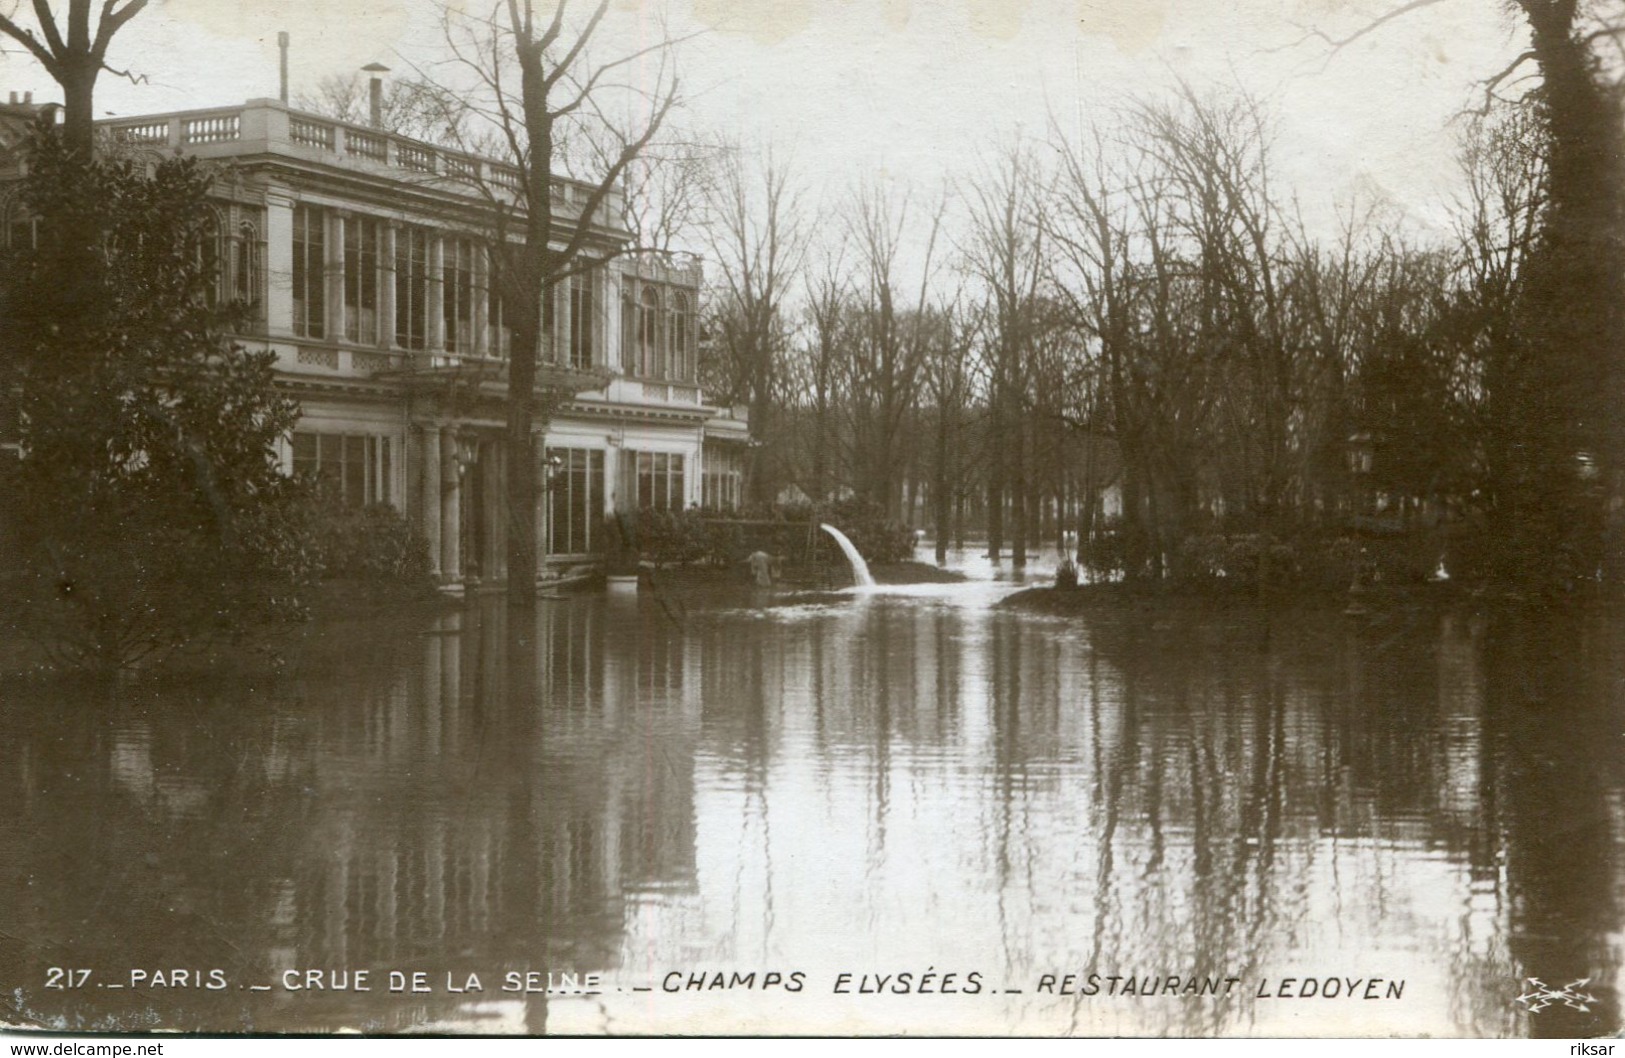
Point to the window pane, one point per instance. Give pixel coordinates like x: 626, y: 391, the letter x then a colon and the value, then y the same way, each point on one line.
x: 304, y: 453
x: 385, y: 476
x: 355, y: 471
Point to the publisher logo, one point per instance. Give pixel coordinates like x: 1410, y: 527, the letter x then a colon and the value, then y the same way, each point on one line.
x: 1538, y: 995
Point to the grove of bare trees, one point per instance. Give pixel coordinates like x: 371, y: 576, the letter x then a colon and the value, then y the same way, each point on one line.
x: 1134, y: 339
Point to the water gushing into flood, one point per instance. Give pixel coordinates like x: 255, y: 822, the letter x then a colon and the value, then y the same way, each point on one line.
x: 860, y: 568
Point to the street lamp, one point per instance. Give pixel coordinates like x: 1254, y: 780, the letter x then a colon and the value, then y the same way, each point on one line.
x: 467, y: 453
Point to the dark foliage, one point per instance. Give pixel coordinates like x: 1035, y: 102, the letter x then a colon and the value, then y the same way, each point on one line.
x: 147, y: 510
x: 877, y: 537
x: 372, y: 543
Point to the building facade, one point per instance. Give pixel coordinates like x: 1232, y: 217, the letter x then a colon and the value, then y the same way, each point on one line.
x: 366, y: 258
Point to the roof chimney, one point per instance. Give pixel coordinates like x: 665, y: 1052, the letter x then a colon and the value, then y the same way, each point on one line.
x: 375, y: 93
x: 28, y: 98
x: 282, y: 46
x: 14, y: 99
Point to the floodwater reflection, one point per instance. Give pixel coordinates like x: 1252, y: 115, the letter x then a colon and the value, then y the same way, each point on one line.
x: 907, y: 784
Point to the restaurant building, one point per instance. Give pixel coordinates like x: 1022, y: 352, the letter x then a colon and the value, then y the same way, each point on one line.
x: 365, y: 258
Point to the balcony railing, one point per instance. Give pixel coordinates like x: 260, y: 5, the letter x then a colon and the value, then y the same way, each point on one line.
x: 270, y: 126
x: 211, y: 129
x: 309, y: 133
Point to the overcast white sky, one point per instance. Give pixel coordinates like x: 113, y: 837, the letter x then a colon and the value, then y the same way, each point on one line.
x: 911, y: 90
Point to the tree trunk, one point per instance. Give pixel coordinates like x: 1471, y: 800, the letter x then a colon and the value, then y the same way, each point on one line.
x: 762, y: 485
x: 79, y: 115
x: 1021, y: 530
x: 521, y: 477
x: 940, y: 497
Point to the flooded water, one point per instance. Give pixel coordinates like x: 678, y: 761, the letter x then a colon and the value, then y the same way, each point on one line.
x: 902, y: 810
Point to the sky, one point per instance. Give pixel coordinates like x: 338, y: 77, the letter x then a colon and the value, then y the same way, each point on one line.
x: 914, y: 93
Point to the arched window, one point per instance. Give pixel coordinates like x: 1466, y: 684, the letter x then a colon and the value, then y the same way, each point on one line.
x: 678, y: 335
x: 211, y: 256
x: 581, y: 321
x: 629, y: 329
x: 245, y: 268
x: 649, y: 332
x: 20, y: 231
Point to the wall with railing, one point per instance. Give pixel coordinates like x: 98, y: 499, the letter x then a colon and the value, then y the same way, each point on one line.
x: 266, y: 125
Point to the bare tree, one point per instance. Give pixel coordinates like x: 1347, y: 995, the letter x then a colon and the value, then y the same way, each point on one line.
x: 826, y: 319
x: 1090, y: 228
x: 948, y: 382
x: 531, y: 89
x: 407, y: 107
x: 75, y: 54
x: 887, y: 344
x: 1007, y: 254
x: 757, y: 238
x: 1556, y: 404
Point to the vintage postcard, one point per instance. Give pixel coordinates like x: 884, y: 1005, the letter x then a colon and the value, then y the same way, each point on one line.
x: 992, y: 517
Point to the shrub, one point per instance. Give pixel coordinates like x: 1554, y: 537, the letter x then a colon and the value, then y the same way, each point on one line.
x: 1105, y: 554
x: 150, y: 512
x: 374, y: 543
x: 877, y: 537
x: 672, y: 537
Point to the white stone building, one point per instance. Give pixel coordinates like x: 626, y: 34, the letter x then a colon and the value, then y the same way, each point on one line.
x: 365, y: 257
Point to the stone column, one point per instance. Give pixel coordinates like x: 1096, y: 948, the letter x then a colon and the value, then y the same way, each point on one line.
x: 451, y: 510
x: 279, y: 264
x: 333, y: 269
x: 386, y: 286
x: 431, y: 494
x: 435, y: 319
x: 482, y: 303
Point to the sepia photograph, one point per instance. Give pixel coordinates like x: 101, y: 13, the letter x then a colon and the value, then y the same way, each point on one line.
x: 1002, y: 518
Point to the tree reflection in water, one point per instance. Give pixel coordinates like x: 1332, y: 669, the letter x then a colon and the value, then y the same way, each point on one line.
x: 879, y: 786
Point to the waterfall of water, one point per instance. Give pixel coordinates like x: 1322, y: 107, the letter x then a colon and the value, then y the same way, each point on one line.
x: 860, y: 568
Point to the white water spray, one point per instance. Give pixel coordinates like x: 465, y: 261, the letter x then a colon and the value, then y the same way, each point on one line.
x: 860, y: 568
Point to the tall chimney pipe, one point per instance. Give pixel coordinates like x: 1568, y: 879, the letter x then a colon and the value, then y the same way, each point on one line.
x: 375, y: 93
x: 282, y: 46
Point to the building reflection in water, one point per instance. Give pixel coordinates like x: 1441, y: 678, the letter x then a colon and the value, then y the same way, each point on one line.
x: 886, y: 785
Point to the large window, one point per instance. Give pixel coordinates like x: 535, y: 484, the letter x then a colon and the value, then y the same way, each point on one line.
x: 723, y: 481
x: 411, y: 288
x: 501, y: 333
x: 244, y: 265
x: 679, y: 366
x: 457, y: 272
x: 309, y: 253
x: 659, y: 481
x: 210, y: 257
x: 649, y: 332
x: 575, y: 499
x: 363, y: 256
x: 581, y: 320
x: 657, y: 332
x: 21, y: 228
x: 231, y: 256
x: 629, y: 328
x: 549, y: 350
x: 352, y: 469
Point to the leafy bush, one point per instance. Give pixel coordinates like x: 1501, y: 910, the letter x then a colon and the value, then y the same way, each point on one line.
x: 877, y: 537
x: 375, y: 543
x: 1105, y: 554
x: 672, y: 537
x: 150, y: 511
